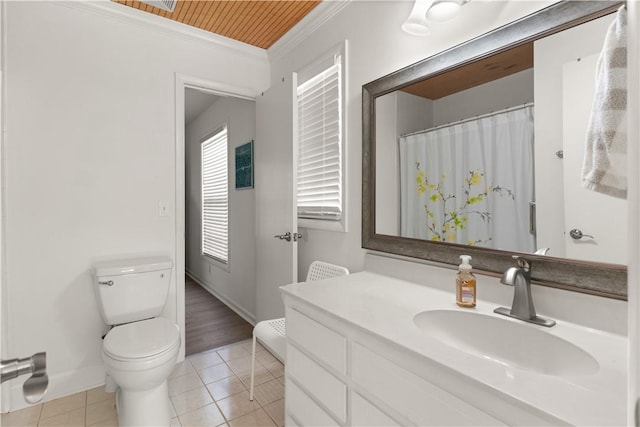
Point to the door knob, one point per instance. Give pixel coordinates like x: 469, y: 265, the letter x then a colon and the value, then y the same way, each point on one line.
x: 286, y: 236
x: 577, y: 234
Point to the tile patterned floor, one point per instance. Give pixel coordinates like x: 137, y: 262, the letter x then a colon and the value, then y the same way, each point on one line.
x: 207, y: 389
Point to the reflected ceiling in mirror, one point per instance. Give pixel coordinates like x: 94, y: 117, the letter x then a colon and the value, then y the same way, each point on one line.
x: 450, y: 145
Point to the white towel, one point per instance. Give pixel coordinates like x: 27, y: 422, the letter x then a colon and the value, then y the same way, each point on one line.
x: 605, y: 162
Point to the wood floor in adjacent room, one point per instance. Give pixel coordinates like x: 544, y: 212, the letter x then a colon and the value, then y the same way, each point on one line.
x: 209, y: 323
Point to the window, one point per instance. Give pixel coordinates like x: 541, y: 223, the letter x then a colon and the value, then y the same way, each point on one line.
x: 319, y: 176
x: 215, y: 197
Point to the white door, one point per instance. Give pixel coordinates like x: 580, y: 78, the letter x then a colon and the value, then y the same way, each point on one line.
x: 594, y: 214
x: 275, y: 152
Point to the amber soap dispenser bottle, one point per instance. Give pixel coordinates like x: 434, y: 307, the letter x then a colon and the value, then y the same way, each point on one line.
x: 465, y: 284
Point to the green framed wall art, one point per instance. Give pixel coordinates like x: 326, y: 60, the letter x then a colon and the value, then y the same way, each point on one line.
x: 244, y: 166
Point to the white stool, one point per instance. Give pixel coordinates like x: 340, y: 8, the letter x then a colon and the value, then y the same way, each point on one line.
x: 271, y: 333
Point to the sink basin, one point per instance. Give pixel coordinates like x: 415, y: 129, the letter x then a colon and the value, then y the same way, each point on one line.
x: 506, y: 341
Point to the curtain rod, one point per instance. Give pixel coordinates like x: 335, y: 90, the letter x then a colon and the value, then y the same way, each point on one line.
x: 459, y: 122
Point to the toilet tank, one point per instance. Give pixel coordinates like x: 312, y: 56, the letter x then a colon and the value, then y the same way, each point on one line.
x: 132, y: 289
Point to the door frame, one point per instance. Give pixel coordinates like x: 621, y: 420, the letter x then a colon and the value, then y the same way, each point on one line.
x: 5, y: 401
x: 633, y: 197
x: 183, y: 82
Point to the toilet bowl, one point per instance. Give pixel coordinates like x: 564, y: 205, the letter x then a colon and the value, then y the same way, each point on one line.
x: 139, y: 357
x: 141, y: 349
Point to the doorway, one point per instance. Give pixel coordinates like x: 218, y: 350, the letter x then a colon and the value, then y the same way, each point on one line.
x: 230, y: 285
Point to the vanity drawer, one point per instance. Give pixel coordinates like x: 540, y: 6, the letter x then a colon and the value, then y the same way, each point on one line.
x: 324, y: 387
x: 301, y: 408
x: 423, y: 403
x: 365, y: 414
x: 325, y: 344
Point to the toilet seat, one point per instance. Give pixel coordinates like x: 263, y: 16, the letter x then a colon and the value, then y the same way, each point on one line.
x: 145, y: 339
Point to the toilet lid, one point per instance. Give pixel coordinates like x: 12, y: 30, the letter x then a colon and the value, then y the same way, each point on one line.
x: 141, y: 339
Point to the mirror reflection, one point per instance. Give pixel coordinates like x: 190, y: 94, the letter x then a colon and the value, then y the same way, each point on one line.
x: 490, y: 154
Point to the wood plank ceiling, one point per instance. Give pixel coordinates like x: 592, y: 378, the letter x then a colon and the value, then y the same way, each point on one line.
x: 259, y: 23
x: 474, y: 74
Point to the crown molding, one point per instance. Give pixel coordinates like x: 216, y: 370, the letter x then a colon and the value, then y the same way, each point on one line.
x: 122, y: 13
x: 322, y: 13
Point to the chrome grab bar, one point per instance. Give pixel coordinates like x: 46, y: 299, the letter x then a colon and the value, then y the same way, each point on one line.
x: 34, y: 387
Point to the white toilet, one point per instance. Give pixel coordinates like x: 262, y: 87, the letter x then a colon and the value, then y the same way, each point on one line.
x: 140, y: 351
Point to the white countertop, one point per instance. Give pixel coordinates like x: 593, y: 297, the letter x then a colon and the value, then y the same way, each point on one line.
x: 385, y: 306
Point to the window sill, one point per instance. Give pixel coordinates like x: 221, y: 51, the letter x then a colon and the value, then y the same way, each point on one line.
x: 323, y: 224
x: 214, y: 262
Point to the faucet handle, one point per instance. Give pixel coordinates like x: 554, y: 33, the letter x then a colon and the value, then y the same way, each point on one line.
x: 523, y: 263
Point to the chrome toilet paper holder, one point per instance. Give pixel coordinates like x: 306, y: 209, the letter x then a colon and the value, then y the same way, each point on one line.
x: 35, y: 387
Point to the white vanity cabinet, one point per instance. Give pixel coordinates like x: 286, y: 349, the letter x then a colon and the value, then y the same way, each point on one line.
x: 315, y: 372
x: 336, y: 375
x: 356, y: 356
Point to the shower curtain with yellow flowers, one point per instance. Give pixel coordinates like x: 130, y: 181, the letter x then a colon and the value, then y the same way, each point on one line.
x: 471, y: 182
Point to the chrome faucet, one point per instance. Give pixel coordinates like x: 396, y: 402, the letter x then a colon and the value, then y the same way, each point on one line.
x: 522, y: 306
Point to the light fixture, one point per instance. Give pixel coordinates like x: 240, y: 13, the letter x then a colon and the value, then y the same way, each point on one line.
x: 416, y: 23
x: 444, y: 10
x: 436, y: 10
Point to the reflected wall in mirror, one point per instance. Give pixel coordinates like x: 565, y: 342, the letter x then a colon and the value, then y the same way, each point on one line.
x: 482, y: 146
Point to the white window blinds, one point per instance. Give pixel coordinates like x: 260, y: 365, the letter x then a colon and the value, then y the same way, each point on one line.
x: 215, y: 198
x: 319, y: 178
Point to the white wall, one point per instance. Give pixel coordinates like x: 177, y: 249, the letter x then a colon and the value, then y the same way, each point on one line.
x: 387, y: 218
x: 397, y: 113
x: 550, y: 54
x: 507, y: 92
x: 234, y: 283
x: 378, y: 46
x: 89, y: 151
x: 414, y: 113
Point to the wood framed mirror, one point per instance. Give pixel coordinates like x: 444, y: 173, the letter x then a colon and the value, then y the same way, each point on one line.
x: 593, y: 276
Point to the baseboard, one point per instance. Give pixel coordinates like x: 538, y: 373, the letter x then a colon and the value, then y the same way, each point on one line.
x: 60, y: 385
x: 238, y: 309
